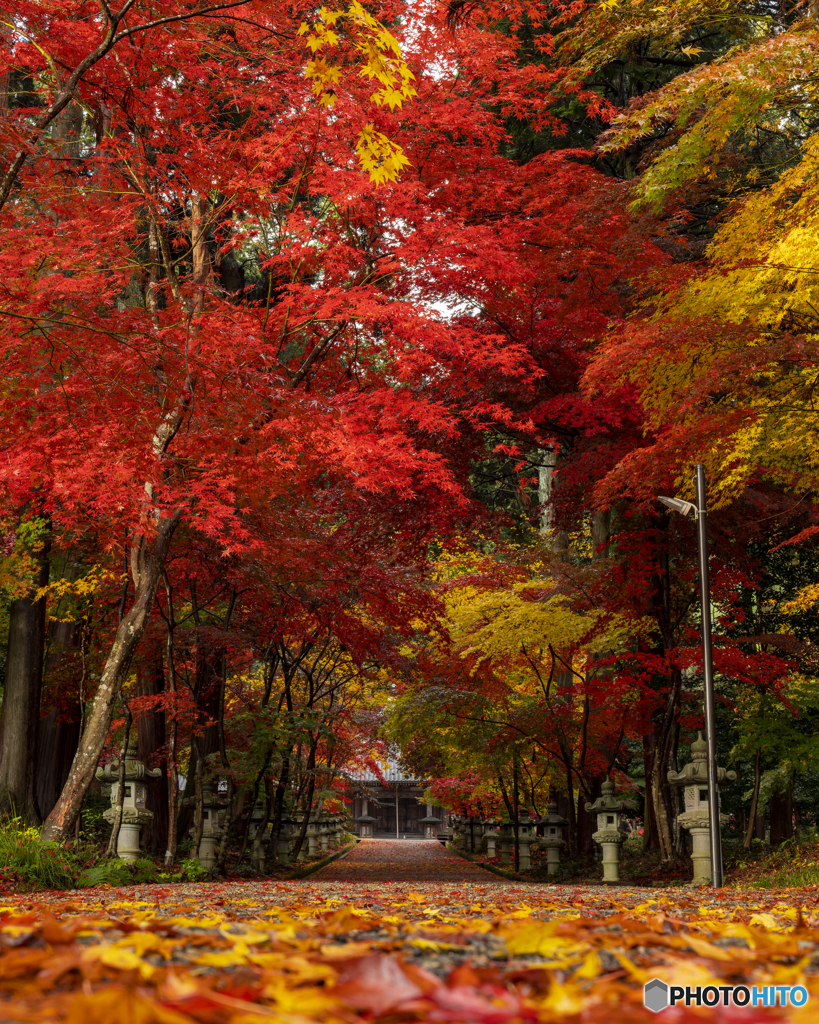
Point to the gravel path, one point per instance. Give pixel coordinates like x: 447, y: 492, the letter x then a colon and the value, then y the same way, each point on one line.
x: 395, y: 860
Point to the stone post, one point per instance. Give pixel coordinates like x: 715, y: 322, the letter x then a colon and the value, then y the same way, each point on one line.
x: 696, y: 818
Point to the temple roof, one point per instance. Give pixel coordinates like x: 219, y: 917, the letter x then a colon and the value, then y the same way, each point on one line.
x: 392, y: 772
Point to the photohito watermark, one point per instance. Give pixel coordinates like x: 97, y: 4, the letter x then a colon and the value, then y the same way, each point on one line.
x: 657, y: 995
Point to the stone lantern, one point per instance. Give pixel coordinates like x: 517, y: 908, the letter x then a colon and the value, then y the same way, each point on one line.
x: 134, y: 812
x: 430, y: 823
x: 323, y: 825
x: 507, y: 840
x: 697, y: 815
x: 609, y: 834
x: 256, y: 833
x: 526, y: 839
x: 490, y: 837
x: 283, y: 841
x: 553, y: 826
x: 312, y: 835
x: 211, y: 828
x: 365, y: 822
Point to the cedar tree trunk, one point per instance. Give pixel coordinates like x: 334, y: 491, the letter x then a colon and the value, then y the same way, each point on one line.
x: 20, y: 717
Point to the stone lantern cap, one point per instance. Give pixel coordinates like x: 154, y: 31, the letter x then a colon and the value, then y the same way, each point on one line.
x: 210, y: 797
x: 551, y: 817
x: 364, y: 819
x: 135, y: 770
x: 695, y: 773
x: 607, y: 803
x: 429, y: 820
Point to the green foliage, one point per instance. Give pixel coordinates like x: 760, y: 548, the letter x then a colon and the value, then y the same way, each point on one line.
x: 93, y: 826
x: 118, y: 872
x: 792, y: 863
x: 37, y: 864
x: 192, y: 871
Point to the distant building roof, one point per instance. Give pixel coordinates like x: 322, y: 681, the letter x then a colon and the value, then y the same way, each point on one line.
x: 392, y: 772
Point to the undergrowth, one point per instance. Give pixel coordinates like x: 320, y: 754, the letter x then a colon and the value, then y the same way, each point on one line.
x: 29, y: 863
x: 792, y: 863
x: 35, y: 863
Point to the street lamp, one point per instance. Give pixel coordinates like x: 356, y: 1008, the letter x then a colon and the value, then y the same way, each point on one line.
x: 699, y: 513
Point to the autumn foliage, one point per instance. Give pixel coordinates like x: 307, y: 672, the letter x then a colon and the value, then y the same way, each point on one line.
x: 345, y: 352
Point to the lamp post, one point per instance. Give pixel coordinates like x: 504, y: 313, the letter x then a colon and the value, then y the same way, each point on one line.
x: 700, y: 514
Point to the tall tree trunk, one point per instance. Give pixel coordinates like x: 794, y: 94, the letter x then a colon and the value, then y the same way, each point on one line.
x: 749, y: 833
x: 57, y: 741
x: 59, y: 730
x: 20, y: 717
x: 147, y: 562
x: 123, y: 752
x: 782, y: 815
x: 198, y: 798
x: 586, y: 820
x: 659, y: 746
x: 278, y: 810
x: 173, y: 732
x: 308, y: 801
x: 662, y: 821
x: 151, y: 738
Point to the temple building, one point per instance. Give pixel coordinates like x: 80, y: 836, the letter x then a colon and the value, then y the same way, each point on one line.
x: 394, y: 803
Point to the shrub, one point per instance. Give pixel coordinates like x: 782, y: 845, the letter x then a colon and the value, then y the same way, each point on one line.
x: 118, y: 872
x: 193, y: 871
x: 38, y: 864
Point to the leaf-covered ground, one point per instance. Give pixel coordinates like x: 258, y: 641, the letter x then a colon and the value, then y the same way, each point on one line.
x: 394, y: 933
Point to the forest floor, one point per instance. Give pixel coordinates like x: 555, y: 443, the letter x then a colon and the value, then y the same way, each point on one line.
x: 396, y: 932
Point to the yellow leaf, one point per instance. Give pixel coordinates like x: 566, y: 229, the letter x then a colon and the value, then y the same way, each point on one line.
x: 120, y: 959
x: 228, y: 958
x: 539, y: 939
x: 765, y: 921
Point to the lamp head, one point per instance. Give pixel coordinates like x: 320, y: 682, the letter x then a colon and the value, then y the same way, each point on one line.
x: 685, y: 508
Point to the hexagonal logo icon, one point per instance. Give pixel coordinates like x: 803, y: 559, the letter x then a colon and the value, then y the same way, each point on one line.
x: 655, y: 995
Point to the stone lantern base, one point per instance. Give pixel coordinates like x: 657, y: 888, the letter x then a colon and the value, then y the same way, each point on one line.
x: 128, y: 838
x: 552, y: 847
x: 207, y: 850
x: 699, y: 825
x: 524, y: 852
x: 610, y: 840
x: 490, y: 840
